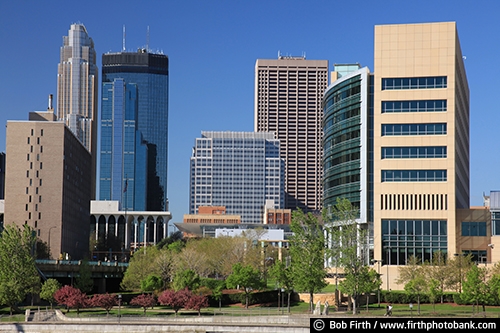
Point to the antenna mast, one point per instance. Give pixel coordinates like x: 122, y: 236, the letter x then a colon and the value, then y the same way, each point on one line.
x: 123, y: 42
x: 147, y: 40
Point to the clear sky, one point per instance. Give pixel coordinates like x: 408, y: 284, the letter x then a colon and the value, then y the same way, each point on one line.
x: 212, y: 47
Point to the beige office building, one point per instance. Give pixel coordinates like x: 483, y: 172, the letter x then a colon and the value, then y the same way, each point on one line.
x: 48, y: 183
x: 421, y: 140
x: 288, y: 102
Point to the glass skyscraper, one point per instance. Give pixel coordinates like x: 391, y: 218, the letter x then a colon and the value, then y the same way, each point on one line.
x: 123, y: 154
x: 134, y: 130
x: 238, y: 170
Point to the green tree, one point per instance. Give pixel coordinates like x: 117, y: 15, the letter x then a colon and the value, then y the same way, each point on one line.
x: 438, y: 271
x: 284, y: 279
x: 307, y: 251
x: 412, y: 275
x: 348, y: 246
x: 457, y: 268
x: 151, y: 283
x: 18, y: 273
x: 186, y: 279
x: 42, y: 250
x: 434, y: 292
x: 475, y: 289
x: 142, y: 264
x: 84, y: 280
x: 247, y: 277
x: 216, y: 287
x: 49, y: 288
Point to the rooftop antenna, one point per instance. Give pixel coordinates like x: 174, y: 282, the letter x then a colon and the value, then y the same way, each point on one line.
x: 147, y: 40
x: 123, y: 42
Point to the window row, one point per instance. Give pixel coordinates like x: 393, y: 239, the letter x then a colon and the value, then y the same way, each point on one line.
x: 413, y: 129
x: 414, y: 83
x: 414, y: 175
x: 473, y: 228
x: 414, y: 152
x: 414, y: 106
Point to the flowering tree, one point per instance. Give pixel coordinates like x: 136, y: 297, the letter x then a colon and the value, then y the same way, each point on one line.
x: 105, y: 301
x: 196, y: 302
x: 144, y: 300
x: 175, y: 299
x: 72, y: 298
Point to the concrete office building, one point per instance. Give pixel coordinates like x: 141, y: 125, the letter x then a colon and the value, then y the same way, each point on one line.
x: 48, y: 183
x: 288, y: 102
x: 238, y: 170
x: 397, y: 143
x: 77, y: 94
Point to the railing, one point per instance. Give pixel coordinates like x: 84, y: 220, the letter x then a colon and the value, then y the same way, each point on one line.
x: 79, y: 262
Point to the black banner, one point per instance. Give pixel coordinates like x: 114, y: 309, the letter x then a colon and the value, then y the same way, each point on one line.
x: 332, y: 324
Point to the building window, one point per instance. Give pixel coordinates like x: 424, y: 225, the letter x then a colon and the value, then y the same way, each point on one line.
x: 40, y: 199
x: 478, y: 256
x: 414, y: 106
x: 39, y: 215
x: 402, y: 239
x: 473, y: 228
x: 41, y: 132
x: 414, y: 175
x: 27, y: 173
x: 414, y: 83
x: 495, y: 223
x: 413, y: 129
x: 414, y: 152
x: 41, y: 165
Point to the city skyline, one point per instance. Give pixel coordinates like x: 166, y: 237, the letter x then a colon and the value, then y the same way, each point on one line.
x: 212, y: 61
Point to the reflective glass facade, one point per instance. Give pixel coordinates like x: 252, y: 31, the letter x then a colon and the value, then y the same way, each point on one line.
x: 149, y: 73
x: 346, y: 140
x: 238, y: 170
x: 123, y: 155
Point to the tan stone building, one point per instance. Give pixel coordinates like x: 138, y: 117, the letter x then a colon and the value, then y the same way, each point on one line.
x: 288, y: 96
x: 48, y: 183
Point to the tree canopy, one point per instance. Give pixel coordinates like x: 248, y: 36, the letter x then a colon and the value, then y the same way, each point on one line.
x: 307, y: 251
x: 18, y: 273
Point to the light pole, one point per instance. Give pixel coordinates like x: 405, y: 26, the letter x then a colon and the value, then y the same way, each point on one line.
x: 459, y: 258
x: 378, y: 272
x: 388, y: 262
x: 49, y: 239
x: 119, y: 306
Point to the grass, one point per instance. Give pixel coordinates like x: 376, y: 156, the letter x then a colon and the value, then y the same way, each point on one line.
x: 445, y: 310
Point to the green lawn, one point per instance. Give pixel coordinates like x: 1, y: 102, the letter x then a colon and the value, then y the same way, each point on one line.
x: 399, y: 310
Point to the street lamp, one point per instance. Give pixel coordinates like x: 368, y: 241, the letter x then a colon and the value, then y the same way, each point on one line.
x: 49, y: 237
x: 388, y: 263
x: 378, y: 272
x: 119, y: 306
x: 459, y: 255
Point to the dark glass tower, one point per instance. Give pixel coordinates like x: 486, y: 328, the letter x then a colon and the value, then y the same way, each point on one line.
x: 142, y: 130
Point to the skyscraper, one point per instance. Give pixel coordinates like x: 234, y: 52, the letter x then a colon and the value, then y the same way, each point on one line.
x: 135, y: 92
x: 123, y: 153
x: 77, y: 82
x: 288, y: 102
x: 238, y: 170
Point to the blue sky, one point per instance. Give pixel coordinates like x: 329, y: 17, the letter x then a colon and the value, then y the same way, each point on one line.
x: 213, y: 46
